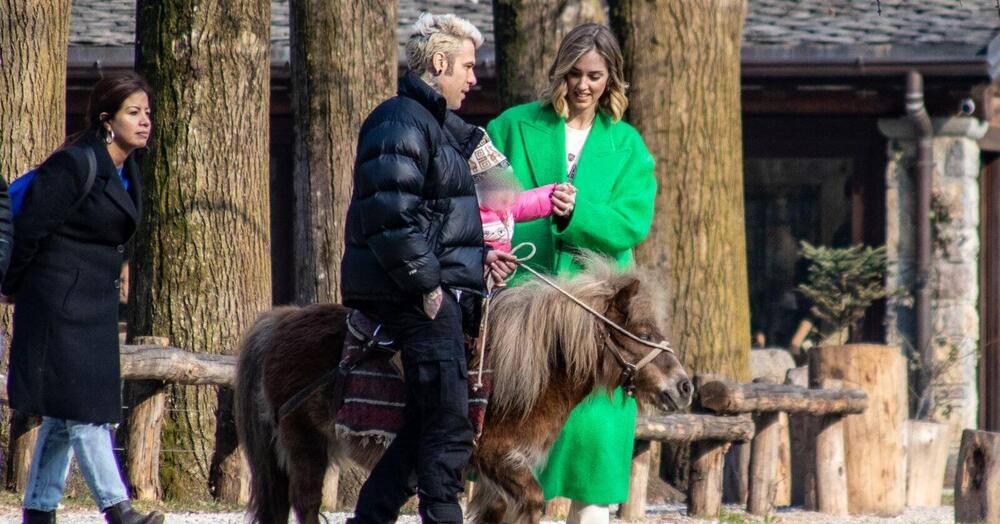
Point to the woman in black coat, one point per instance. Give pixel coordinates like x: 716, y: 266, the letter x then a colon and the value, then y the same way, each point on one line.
x: 78, y: 213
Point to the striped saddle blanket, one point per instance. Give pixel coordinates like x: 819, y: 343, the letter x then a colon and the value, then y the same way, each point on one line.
x: 372, y: 390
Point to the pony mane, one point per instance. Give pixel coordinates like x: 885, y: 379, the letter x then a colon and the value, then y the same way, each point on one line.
x: 533, y: 327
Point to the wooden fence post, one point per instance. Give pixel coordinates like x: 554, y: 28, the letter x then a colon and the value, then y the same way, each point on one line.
x: 734, y: 478
x: 705, y: 478
x: 763, y: 463
x: 147, y: 400
x: 831, y: 475
x: 977, y: 481
x: 23, y: 434
x: 802, y: 435
x: 635, y: 507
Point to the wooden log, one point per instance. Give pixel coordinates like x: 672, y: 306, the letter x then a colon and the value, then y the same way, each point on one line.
x: 728, y: 398
x: 229, y: 479
x: 802, y: 438
x: 634, y: 508
x: 763, y: 464
x: 735, y: 474
x: 23, y: 435
x: 147, y: 399
x: 926, y: 460
x: 977, y: 481
x: 168, y: 364
x: 783, y: 473
x: 831, y: 475
x: 705, y: 480
x: 176, y: 366
x: 873, y: 445
x: 685, y: 427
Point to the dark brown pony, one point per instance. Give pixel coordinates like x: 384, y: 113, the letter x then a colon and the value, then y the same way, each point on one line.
x: 546, y: 354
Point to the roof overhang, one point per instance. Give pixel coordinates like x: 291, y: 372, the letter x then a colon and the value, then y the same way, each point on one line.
x: 757, y: 61
x: 869, y: 60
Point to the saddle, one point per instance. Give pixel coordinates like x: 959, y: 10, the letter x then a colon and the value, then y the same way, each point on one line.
x: 369, y: 389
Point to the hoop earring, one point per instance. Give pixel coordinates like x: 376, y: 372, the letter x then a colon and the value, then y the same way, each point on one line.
x: 110, y: 137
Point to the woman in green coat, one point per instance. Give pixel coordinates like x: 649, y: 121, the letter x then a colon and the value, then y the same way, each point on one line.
x: 575, y: 134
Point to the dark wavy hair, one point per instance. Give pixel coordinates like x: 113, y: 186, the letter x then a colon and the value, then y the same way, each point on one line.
x: 107, y: 97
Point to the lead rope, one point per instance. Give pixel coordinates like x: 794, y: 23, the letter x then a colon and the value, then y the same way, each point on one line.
x: 484, y: 327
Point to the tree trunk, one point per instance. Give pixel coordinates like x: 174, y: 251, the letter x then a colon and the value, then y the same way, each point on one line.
x: 344, y: 60
x: 33, y: 50
x: 528, y: 33
x: 682, y: 60
x: 202, y: 273
x: 33, y: 53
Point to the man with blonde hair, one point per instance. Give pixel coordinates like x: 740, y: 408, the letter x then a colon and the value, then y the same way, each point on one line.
x: 414, y: 252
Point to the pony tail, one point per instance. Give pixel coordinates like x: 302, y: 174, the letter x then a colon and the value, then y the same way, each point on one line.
x: 256, y: 425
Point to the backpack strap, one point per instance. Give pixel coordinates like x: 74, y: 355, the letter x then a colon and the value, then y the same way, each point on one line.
x: 91, y: 176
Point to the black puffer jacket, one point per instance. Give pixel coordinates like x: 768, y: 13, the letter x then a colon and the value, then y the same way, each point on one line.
x: 413, y: 222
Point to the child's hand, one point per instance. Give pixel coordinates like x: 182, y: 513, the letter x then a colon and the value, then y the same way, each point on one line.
x: 563, y: 199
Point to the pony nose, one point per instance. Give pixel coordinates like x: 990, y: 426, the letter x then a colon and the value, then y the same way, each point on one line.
x: 686, y: 389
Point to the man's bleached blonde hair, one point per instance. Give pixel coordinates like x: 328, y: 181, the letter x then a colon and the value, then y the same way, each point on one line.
x: 438, y: 34
x: 578, y: 42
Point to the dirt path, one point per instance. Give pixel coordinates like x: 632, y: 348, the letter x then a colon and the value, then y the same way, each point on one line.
x: 657, y: 514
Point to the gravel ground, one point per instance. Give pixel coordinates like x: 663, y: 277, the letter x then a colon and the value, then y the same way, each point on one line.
x: 667, y: 513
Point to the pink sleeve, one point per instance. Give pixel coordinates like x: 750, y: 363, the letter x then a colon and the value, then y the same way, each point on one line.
x: 533, y: 204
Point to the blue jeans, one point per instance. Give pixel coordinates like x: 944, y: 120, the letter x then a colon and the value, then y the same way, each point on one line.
x: 58, y: 441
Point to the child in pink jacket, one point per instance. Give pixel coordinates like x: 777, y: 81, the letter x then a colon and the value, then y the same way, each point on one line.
x: 502, y: 203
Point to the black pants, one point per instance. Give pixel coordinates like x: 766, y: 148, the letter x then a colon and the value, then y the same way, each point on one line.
x: 430, y: 453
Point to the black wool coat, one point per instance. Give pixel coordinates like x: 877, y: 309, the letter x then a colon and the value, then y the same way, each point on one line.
x: 413, y: 223
x: 64, y: 276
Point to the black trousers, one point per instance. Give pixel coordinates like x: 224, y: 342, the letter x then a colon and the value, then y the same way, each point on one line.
x: 430, y: 453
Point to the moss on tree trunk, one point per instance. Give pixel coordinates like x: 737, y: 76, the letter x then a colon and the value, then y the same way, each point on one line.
x: 682, y: 60
x: 33, y: 51
x: 201, y: 272
x: 344, y: 61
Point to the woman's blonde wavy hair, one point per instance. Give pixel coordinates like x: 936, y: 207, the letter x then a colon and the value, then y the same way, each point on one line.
x: 578, y: 42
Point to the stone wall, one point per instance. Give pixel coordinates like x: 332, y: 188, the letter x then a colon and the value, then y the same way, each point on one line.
x: 954, y: 278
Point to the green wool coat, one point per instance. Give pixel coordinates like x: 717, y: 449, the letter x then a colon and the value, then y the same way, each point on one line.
x: 590, y: 460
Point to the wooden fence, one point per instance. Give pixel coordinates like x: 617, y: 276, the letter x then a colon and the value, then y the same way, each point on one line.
x: 735, y: 413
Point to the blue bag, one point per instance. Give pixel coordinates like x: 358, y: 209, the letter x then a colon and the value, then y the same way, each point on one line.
x: 19, y: 188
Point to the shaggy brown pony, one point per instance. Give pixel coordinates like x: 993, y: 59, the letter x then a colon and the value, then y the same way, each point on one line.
x: 546, y: 352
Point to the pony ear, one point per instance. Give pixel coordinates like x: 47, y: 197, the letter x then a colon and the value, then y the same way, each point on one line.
x: 625, y: 294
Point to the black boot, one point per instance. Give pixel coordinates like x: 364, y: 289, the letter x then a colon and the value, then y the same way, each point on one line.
x: 34, y: 516
x: 123, y: 513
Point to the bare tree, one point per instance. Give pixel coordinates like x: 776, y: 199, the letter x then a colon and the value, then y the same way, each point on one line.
x: 683, y: 62
x: 527, y: 35
x: 344, y: 62
x: 201, y: 272
x: 34, y: 40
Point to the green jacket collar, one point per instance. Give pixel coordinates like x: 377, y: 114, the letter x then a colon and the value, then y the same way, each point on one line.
x: 545, y: 146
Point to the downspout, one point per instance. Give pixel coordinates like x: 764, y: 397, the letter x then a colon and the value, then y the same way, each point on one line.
x: 917, y: 115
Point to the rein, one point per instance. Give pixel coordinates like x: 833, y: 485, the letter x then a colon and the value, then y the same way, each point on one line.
x: 629, y: 369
